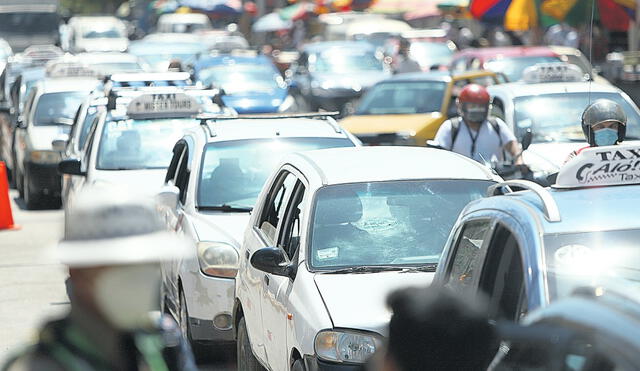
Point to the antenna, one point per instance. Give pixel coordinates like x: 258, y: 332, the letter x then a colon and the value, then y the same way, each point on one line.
x: 593, y: 7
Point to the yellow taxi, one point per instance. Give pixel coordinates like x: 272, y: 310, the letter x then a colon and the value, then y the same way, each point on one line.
x: 408, y: 109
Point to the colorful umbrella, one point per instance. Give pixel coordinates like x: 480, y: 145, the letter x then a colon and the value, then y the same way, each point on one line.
x: 297, y: 11
x: 515, y: 15
x: 230, y: 7
x: 613, y: 14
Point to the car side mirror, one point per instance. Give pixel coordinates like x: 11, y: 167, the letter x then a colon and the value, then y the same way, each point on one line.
x: 169, y: 196
x: 273, y: 260
x: 59, y: 145
x: 526, y: 139
x: 70, y: 166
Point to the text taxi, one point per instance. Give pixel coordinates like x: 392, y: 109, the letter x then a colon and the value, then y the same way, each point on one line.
x: 549, y: 103
x: 408, y: 109
x: 524, y: 250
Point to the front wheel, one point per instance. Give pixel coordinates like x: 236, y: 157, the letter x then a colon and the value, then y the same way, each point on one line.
x: 298, y: 365
x: 30, y: 197
x: 246, y: 360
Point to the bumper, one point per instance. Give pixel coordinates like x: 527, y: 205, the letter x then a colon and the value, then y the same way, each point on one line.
x: 44, y: 178
x: 207, y: 298
x: 312, y: 363
x: 203, y: 330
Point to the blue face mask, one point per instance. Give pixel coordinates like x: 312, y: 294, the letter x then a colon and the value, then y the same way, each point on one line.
x: 605, y: 137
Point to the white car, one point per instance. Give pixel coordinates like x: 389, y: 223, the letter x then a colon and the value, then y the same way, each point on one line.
x: 108, y: 63
x: 332, y: 234
x: 132, y: 147
x: 97, y: 34
x: 216, y: 174
x: 185, y: 22
x: 552, y: 112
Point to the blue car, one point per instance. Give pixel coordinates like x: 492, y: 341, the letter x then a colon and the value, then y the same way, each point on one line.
x: 251, y: 84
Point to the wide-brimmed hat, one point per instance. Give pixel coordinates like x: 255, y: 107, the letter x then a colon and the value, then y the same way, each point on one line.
x: 113, y: 226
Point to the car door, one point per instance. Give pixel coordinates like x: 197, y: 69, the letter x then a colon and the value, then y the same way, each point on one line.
x: 263, y: 234
x: 276, y: 289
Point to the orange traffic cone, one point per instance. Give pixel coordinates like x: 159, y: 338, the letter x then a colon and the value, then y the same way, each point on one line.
x: 6, y: 218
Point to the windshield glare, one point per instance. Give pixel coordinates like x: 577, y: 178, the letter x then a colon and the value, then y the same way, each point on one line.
x: 345, y: 61
x: 428, y: 54
x: 557, y: 117
x: 403, y: 98
x: 53, y: 106
x: 513, y: 67
x: 591, y: 258
x: 238, y: 78
x: 234, y: 172
x: 400, y: 223
x: 139, y: 144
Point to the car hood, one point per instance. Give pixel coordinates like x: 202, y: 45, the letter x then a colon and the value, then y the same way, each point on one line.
x: 103, y: 45
x: 358, y: 301
x: 361, y: 79
x: 42, y: 136
x: 256, y: 102
x: 148, y: 181
x: 549, y: 157
x: 221, y: 227
x: 374, y: 124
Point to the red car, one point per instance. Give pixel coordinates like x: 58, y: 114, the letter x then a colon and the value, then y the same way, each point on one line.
x: 510, y: 60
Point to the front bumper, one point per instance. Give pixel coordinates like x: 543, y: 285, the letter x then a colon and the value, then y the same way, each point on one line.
x: 44, y: 178
x: 203, y: 330
x: 312, y: 363
x: 208, y: 297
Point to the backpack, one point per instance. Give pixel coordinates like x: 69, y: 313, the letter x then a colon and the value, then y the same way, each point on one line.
x: 455, y: 129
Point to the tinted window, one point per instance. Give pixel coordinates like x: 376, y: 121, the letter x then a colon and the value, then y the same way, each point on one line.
x: 275, y: 207
x: 403, y: 98
x: 29, y: 23
x: 387, y: 223
x: 139, y: 144
x: 342, y: 60
x: 53, y: 106
x: 234, y: 172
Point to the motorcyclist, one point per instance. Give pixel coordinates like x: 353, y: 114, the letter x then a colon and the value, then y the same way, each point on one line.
x: 113, y: 244
x: 474, y: 134
x: 604, y: 123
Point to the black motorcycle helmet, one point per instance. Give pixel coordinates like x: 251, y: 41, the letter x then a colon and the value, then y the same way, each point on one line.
x: 600, y: 111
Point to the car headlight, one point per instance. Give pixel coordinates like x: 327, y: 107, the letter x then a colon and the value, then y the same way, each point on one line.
x: 45, y: 157
x: 287, y: 104
x: 344, y: 346
x: 218, y: 259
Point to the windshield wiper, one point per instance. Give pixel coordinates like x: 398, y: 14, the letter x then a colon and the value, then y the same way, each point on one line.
x: 365, y: 269
x: 226, y: 208
x: 431, y: 267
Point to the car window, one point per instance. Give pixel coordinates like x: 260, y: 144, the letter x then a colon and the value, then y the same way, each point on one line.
x: 92, y: 113
x: 52, y: 107
x: 502, y: 278
x: 274, y: 209
x: 182, y: 175
x: 408, y: 97
x: 178, y: 152
x: 467, y: 252
x: 290, y: 231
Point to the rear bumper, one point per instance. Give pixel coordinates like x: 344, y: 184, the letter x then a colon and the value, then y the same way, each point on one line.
x: 312, y: 363
x: 44, y: 179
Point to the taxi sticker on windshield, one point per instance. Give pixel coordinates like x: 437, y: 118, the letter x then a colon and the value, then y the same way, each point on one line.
x: 330, y: 253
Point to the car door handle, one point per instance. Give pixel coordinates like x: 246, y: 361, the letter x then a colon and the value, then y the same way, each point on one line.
x: 266, y: 280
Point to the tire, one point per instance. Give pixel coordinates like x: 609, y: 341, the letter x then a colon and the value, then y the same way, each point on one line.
x: 246, y: 360
x: 19, y: 183
x: 31, y: 198
x: 298, y: 365
x: 183, y: 318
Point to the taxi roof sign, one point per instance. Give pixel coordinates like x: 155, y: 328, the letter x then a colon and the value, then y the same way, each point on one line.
x: 553, y: 72
x: 70, y: 69
x: 602, y: 166
x: 168, y: 105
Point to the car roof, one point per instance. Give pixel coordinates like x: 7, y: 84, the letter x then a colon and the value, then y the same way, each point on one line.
x: 322, y: 46
x: 58, y: 85
x: 508, y: 51
x: 390, y: 163
x: 239, y: 128
x: 581, y: 210
x: 521, y: 89
x: 438, y: 76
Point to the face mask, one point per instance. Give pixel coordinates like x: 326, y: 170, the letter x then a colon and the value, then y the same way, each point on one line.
x: 126, y: 294
x: 605, y: 137
x: 474, y: 113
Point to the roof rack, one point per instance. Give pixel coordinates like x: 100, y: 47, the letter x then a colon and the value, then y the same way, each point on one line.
x: 551, y: 211
x: 328, y: 116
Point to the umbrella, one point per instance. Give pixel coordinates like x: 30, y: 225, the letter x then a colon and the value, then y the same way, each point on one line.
x: 230, y: 7
x: 271, y: 22
x: 515, y: 15
x: 613, y: 14
x: 297, y: 11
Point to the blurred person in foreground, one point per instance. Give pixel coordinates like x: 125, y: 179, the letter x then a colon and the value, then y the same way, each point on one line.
x: 113, y: 245
x: 403, y: 62
x: 474, y: 133
x: 433, y: 329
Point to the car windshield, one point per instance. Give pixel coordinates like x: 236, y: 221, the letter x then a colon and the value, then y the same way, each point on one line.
x: 591, y: 258
x: 156, y: 53
x: 241, y: 77
x: 513, y: 67
x: 52, y: 107
x: 403, y: 98
x: 29, y: 23
x: 340, y: 60
x: 557, y: 117
x: 233, y: 172
x: 103, y: 34
x: 139, y: 144
x: 399, y: 223
x: 428, y: 54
